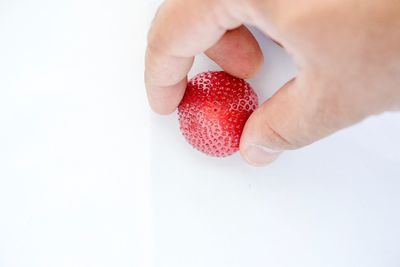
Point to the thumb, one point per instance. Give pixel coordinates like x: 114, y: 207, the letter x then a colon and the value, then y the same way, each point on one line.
x: 297, y: 115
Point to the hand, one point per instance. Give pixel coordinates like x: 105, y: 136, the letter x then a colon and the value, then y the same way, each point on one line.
x: 347, y: 53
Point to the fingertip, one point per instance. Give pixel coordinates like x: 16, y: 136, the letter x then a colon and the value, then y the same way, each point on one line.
x: 258, y: 155
x: 238, y: 53
x: 254, y: 150
x: 247, y: 66
x: 254, y: 66
x: 164, y: 100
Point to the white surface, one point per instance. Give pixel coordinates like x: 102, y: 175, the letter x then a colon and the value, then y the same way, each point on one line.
x: 74, y: 187
x: 335, y: 203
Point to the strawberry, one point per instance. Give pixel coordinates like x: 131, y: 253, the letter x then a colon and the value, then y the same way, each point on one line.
x: 214, y: 110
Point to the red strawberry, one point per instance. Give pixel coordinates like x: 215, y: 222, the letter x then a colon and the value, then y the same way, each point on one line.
x: 213, y: 112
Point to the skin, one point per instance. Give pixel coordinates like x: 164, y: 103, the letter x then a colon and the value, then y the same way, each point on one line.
x: 347, y: 53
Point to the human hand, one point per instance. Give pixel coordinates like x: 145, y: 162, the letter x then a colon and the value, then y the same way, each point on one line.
x: 347, y: 54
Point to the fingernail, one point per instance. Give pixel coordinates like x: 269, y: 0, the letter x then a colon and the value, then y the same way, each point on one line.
x: 258, y: 155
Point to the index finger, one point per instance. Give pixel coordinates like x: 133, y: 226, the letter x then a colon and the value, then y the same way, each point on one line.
x: 180, y: 30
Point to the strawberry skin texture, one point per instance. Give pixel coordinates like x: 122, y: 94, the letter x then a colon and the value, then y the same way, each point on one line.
x: 214, y: 110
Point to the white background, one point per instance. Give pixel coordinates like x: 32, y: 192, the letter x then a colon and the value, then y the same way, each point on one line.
x: 78, y: 144
x: 74, y: 148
